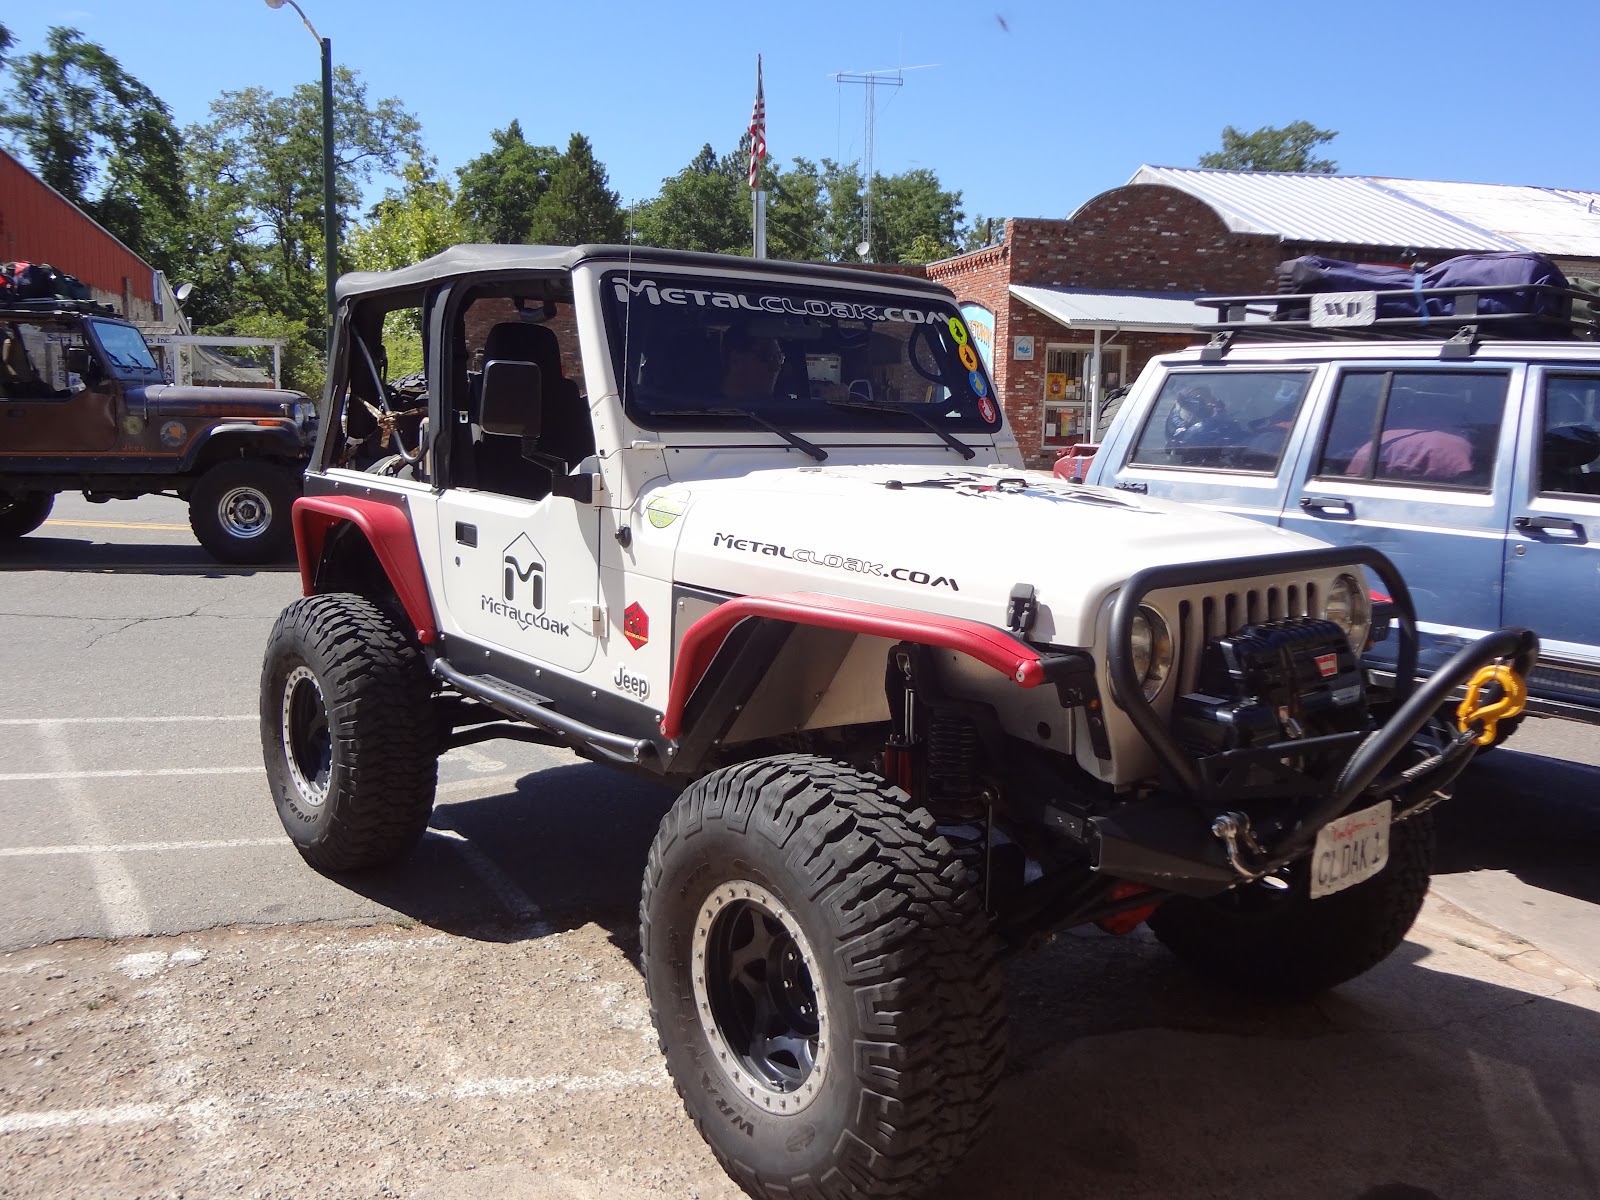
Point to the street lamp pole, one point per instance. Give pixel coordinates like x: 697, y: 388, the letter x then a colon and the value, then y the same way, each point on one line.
x: 330, y: 212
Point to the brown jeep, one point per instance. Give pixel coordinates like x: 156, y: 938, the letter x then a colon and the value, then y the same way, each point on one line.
x: 88, y: 409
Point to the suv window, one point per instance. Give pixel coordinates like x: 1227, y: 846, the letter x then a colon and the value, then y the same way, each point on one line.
x: 1570, y: 442
x: 33, y: 362
x: 1436, y: 428
x: 125, y: 350
x: 1223, y: 420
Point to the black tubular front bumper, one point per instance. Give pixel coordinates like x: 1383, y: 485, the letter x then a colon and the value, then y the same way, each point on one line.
x: 1165, y: 839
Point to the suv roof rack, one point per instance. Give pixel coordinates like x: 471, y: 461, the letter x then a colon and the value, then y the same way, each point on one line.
x: 1568, y: 314
x: 50, y: 304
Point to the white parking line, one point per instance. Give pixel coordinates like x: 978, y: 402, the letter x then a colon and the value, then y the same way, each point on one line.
x: 516, y: 901
x: 225, y: 1110
x: 62, y: 776
x: 137, y: 847
x: 119, y: 720
x: 119, y: 896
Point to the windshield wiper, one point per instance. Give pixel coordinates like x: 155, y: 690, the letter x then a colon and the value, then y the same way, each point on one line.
x: 794, y: 439
x: 909, y: 410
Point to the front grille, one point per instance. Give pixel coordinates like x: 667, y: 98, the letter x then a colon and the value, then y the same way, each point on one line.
x: 1223, y: 612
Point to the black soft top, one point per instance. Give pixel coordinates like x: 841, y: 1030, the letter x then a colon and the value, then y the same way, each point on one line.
x: 470, y: 260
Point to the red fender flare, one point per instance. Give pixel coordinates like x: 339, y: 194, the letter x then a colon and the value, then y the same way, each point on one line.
x: 993, y: 647
x: 388, y: 531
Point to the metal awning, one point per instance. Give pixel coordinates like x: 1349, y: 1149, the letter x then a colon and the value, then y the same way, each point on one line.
x: 1139, y: 312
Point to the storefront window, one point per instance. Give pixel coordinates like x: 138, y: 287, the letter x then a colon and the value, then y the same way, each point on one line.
x: 1066, y: 388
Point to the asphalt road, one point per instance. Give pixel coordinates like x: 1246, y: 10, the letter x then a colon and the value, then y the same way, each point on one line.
x: 133, y: 803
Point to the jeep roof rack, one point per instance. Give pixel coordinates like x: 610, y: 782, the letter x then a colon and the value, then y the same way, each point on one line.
x: 56, y: 304
x: 1572, y: 314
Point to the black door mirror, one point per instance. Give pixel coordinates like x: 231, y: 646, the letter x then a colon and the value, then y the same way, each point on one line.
x: 82, y: 364
x: 512, y: 399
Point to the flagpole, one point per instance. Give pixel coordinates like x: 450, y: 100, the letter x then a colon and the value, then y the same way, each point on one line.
x: 758, y: 151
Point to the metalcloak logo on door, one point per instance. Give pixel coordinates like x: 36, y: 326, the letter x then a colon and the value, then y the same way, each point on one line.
x: 522, y: 589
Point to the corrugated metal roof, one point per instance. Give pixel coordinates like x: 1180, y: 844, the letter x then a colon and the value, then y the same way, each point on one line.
x: 1540, y: 219
x: 1353, y: 209
x: 1079, y: 309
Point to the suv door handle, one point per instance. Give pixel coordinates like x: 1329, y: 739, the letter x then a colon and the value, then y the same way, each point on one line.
x: 1535, y: 525
x: 1331, y: 506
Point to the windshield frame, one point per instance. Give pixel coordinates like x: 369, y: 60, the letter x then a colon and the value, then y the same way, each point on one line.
x: 820, y: 322
x: 141, y: 372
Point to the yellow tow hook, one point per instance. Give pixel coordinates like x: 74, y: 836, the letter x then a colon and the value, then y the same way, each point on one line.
x: 1486, y: 714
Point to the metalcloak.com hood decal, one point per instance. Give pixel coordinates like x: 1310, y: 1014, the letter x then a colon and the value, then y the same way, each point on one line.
x: 839, y: 562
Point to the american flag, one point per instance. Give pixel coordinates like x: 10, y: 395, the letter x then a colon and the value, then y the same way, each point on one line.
x: 758, y: 129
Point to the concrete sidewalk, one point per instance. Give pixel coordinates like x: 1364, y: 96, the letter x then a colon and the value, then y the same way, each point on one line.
x: 397, y: 1060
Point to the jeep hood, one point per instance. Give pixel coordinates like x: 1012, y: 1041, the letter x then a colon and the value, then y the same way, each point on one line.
x: 936, y: 539
x: 174, y: 399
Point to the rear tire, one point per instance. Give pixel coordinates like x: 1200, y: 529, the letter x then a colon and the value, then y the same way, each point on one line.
x: 240, y: 510
x: 822, y: 979
x: 25, y: 513
x: 348, y: 733
x: 1285, y: 945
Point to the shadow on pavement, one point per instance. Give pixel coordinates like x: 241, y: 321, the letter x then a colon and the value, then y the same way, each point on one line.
x: 1534, y: 816
x: 571, y: 839
x: 1129, y: 1078
x: 41, y: 553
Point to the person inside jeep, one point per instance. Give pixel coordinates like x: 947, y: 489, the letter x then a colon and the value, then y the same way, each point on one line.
x: 750, y: 364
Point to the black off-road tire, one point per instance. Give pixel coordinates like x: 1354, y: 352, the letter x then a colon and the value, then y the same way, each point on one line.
x: 906, y: 994
x: 24, y: 514
x: 240, y: 510
x: 348, y: 732
x: 1285, y: 945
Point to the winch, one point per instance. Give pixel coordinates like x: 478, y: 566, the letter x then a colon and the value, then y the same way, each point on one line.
x: 1277, y: 681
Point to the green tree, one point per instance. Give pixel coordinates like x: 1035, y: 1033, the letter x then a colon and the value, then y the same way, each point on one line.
x: 914, y: 220
x: 705, y: 206
x: 796, y: 208
x: 7, y: 40
x: 1271, y: 148
x: 99, y: 137
x: 411, y: 223
x: 577, y: 207
x: 255, y: 179
x: 501, y: 188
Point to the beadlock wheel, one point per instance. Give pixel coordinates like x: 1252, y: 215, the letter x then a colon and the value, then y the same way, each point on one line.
x: 307, y: 741
x: 755, y: 994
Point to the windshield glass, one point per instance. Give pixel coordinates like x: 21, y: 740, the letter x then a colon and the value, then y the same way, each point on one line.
x: 125, y: 348
x: 695, y: 353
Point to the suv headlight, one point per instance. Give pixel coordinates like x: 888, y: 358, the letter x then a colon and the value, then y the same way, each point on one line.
x: 1349, y: 607
x: 303, y: 411
x: 1152, y: 651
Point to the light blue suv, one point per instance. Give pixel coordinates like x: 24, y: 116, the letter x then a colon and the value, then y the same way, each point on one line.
x: 1475, y: 466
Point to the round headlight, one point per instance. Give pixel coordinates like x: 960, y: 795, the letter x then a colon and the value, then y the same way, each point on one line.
x: 1152, y: 651
x: 1350, y: 608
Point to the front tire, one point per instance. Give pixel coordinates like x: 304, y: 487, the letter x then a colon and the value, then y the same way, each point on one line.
x: 240, y: 510
x: 1281, y: 944
x: 822, y: 979
x: 23, y: 514
x: 348, y: 733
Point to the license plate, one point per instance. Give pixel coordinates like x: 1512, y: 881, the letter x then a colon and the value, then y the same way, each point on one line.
x: 1349, y: 850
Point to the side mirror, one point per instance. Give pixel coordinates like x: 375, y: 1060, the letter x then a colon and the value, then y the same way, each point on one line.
x: 82, y: 364
x: 512, y: 399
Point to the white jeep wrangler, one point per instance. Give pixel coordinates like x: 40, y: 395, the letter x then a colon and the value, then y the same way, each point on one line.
x: 758, y: 528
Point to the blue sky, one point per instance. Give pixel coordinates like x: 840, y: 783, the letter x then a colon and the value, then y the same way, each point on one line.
x: 1032, y: 107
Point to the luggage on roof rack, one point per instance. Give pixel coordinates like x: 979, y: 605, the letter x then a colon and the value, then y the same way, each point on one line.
x: 1510, y: 295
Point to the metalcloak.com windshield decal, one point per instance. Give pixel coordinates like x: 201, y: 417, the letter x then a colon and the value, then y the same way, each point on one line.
x: 837, y: 562
x: 659, y: 294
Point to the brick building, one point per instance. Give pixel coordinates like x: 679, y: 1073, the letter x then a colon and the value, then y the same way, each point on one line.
x: 1116, y: 281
